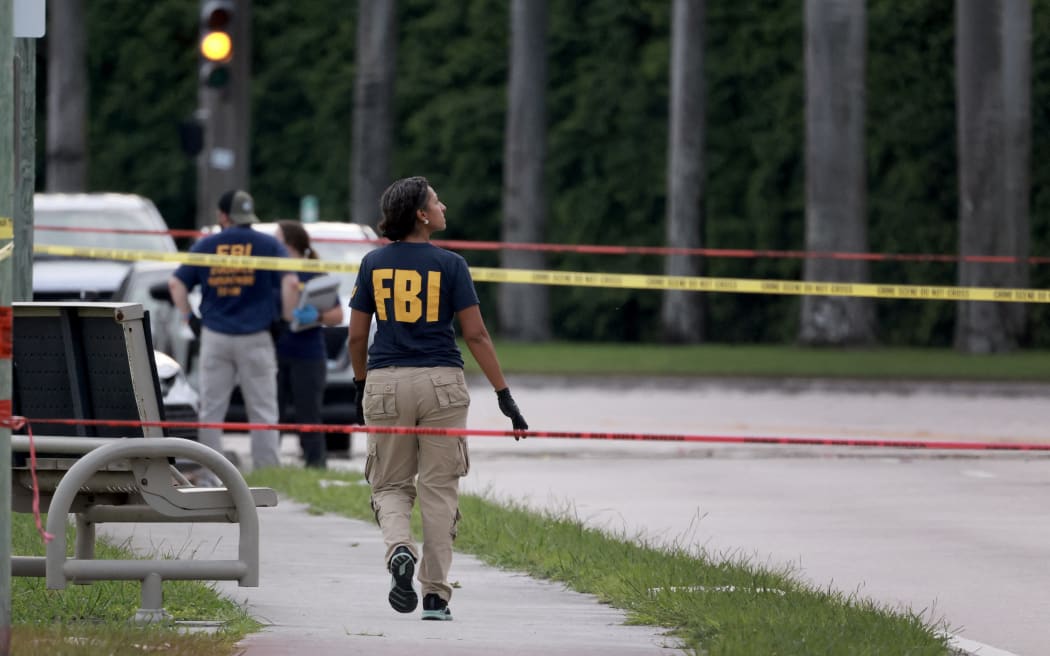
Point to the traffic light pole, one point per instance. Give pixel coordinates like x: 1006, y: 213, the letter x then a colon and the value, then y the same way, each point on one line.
x: 225, y: 115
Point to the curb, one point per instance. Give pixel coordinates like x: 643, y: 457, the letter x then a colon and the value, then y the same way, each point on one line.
x: 790, y: 385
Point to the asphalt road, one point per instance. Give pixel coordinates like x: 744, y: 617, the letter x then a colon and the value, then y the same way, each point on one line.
x: 961, y: 536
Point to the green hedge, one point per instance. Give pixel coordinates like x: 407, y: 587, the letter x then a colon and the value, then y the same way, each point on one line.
x: 607, y: 112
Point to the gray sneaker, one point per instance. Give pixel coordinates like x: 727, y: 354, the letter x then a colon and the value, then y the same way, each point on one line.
x: 402, y: 567
x: 436, y: 608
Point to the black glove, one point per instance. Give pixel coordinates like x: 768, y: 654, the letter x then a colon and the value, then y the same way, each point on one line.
x: 359, y: 411
x: 195, y: 325
x: 510, y: 409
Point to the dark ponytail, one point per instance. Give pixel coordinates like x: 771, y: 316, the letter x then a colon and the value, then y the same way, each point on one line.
x: 296, y: 236
x: 399, y: 204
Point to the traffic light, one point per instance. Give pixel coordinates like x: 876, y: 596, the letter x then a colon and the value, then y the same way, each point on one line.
x: 216, y: 42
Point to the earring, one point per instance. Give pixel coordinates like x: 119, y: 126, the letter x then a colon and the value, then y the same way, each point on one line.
x: 426, y: 221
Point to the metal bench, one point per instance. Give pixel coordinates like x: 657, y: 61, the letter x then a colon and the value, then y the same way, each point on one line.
x: 94, y: 361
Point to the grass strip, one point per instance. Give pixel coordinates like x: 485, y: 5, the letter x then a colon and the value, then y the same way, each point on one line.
x: 88, y: 620
x: 722, y: 360
x: 716, y: 607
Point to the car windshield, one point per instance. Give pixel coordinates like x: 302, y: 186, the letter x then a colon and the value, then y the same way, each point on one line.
x: 105, y: 220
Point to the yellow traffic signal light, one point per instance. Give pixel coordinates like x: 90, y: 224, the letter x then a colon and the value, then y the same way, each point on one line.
x: 217, y: 47
x: 216, y: 42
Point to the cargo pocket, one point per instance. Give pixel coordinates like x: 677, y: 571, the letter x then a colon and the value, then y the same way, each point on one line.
x: 451, y: 390
x: 375, y: 510
x: 381, y: 400
x: 464, y: 458
x: 455, y: 524
x: 370, y: 461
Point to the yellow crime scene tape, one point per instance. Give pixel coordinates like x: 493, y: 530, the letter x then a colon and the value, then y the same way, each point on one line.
x: 586, y: 279
x: 197, y: 259
x: 7, y: 231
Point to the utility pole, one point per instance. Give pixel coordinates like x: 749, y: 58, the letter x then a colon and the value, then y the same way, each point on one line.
x: 17, y: 115
x: 224, y: 101
x: 6, y: 247
x: 25, y: 167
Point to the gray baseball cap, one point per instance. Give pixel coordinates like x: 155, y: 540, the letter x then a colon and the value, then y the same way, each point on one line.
x: 242, y: 209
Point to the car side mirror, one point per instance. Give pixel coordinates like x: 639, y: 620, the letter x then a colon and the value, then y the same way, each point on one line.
x: 160, y: 292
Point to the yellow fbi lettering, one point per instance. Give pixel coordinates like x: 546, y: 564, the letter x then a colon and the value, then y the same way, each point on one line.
x: 228, y: 281
x: 405, y: 290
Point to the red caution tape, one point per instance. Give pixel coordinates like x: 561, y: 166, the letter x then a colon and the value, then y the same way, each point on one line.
x: 14, y: 423
x: 47, y: 537
x: 6, y: 420
x: 192, y: 234
x: 36, y: 490
x: 240, y: 427
x: 5, y: 332
x: 599, y: 249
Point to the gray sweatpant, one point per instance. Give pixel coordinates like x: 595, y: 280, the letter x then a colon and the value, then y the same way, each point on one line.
x: 251, y: 362
x: 399, y: 467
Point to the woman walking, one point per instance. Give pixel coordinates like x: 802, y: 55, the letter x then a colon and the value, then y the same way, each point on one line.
x: 415, y: 378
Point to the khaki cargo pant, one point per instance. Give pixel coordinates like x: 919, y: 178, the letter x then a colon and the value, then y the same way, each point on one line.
x: 400, y: 466
x: 251, y: 362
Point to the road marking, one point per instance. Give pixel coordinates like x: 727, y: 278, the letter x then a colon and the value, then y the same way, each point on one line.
x: 974, y: 648
x: 977, y: 473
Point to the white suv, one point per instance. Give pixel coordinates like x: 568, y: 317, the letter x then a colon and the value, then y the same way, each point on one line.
x: 60, y: 278
x: 110, y: 217
x: 65, y: 278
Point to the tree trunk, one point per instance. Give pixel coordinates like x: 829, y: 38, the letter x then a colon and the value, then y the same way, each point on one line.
x: 682, y: 312
x: 67, y: 96
x: 373, y: 120
x: 524, y: 312
x: 993, y: 77
x: 836, y: 218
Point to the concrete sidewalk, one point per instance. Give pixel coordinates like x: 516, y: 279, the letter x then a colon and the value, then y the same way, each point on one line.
x: 323, y: 590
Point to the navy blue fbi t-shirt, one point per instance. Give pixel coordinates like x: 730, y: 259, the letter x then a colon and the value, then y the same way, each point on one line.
x: 414, y: 290
x: 306, y: 344
x: 235, y: 300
